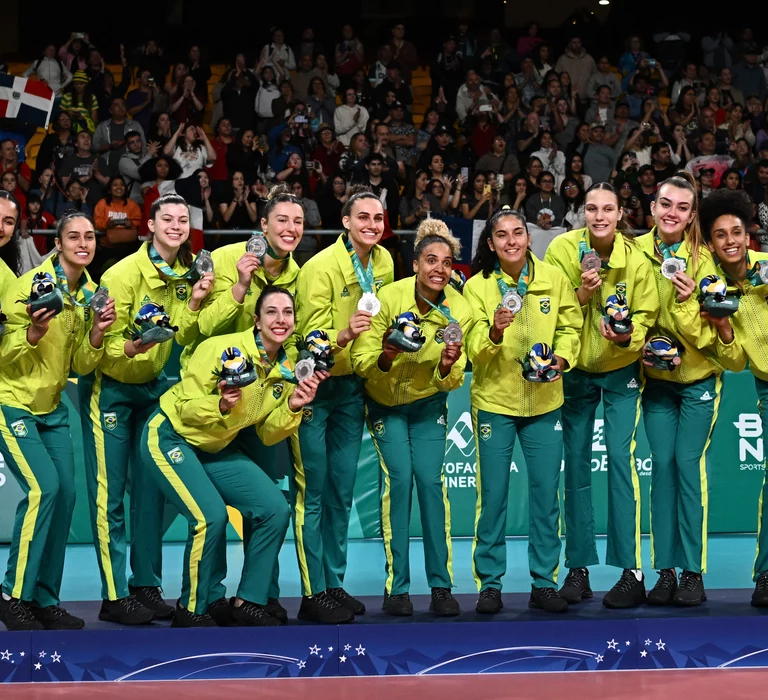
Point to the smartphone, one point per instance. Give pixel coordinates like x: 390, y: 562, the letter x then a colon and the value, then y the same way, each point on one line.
x: 465, y: 173
x: 300, y: 119
x: 499, y: 181
x: 487, y: 189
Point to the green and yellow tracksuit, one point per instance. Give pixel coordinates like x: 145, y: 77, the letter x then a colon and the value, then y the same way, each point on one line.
x: 407, y: 414
x: 7, y: 278
x: 220, y: 314
x: 326, y: 449
x: 191, y: 448
x: 680, y: 410
x: 34, y: 436
x: 611, y: 373
x: 505, y: 405
x: 115, y: 403
x: 750, y: 329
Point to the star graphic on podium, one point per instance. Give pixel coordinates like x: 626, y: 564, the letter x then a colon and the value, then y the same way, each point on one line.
x: 613, y: 644
x: 660, y: 645
x: 38, y: 667
x: 643, y: 653
x: 347, y: 647
x: 302, y: 664
x: 314, y: 650
x: 56, y: 657
x: 599, y: 658
x: 330, y: 648
x: 5, y: 655
x: 342, y: 658
x: 360, y: 650
x: 22, y: 653
x: 648, y: 642
x: 627, y: 643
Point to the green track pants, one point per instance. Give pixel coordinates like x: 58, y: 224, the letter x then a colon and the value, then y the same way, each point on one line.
x: 761, y: 556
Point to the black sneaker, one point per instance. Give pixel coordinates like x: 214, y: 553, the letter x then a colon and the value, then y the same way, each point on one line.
x: 277, y: 611
x: 347, y: 601
x: 125, y: 611
x: 151, y: 597
x: 18, y: 616
x: 690, y: 590
x: 489, y: 601
x: 627, y: 593
x: 398, y: 605
x: 548, y: 600
x: 576, y: 586
x: 184, y: 618
x: 54, y: 617
x: 253, y: 615
x: 221, y: 612
x: 443, y: 603
x: 664, y: 591
x: 760, y: 594
x: 324, y: 609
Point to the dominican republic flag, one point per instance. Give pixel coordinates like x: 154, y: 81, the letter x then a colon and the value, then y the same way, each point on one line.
x: 25, y: 99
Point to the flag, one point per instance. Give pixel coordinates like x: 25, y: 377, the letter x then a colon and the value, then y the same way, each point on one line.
x: 30, y: 101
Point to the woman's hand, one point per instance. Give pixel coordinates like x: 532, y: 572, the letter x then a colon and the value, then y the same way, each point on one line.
x: 40, y: 320
x: 590, y: 282
x: 136, y: 347
x: 388, y: 352
x: 101, y: 322
x: 229, y: 397
x: 359, y: 322
x: 608, y: 333
x: 502, y: 319
x: 451, y: 353
x: 246, y: 266
x: 201, y: 290
x: 684, y: 285
x: 305, y: 391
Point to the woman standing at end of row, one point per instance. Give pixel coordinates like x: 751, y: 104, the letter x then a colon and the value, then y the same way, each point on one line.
x: 406, y: 406
x: 10, y: 219
x: 505, y: 405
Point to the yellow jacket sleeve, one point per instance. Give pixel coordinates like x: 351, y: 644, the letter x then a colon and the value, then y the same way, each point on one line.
x: 198, y: 398
x: 314, y: 293
x: 479, y: 346
x: 687, y: 314
x: 87, y: 358
x: 567, y: 340
x: 114, y: 340
x: 280, y: 423
x: 189, y: 330
x: 220, y: 309
x: 13, y: 344
x: 645, y: 297
x: 731, y: 356
x: 367, y: 347
x: 455, y: 378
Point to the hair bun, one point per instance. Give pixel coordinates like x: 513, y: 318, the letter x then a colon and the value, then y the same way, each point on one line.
x: 277, y: 190
x: 436, y: 228
x: 353, y: 190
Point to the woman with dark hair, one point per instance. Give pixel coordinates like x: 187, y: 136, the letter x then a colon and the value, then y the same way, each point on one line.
x: 574, y: 167
x: 429, y: 124
x: 295, y: 167
x: 267, y: 93
x: 686, y: 111
x: 580, y: 140
x: 196, y: 66
x: 480, y: 198
x: 40, y: 350
x: 362, y: 87
x: 238, y: 211
x: 244, y: 156
x: 190, y: 148
x: 157, y: 176
x: 74, y: 53
x: 57, y: 145
x: 533, y: 168
x: 153, y: 284
x: 444, y: 199
x: 731, y: 180
x: 278, y: 53
x: 160, y: 129
x: 321, y: 105
x: 349, y: 53
x: 505, y: 405
x: 608, y: 273
x: 520, y: 191
x: 331, y: 201
x: 107, y: 90
x: 573, y: 196
x: 82, y: 105
x: 10, y: 220
x: 118, y: 217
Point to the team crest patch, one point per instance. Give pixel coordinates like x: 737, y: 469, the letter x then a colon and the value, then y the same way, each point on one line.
x: 176, y: 455
x: 621, y: 288
x: 378, y: 284
x: 87, y: 314
x: 110, y: 421
x: 485, y: 431
x: 545, y: 305
x: 249, y: 292
x: 378, y: 428
x: 277, y: 390
x: 439, y: 335
x: 181, y: 291
x: 19, y: 428
x: 345, y: 292
x: 306, y: 414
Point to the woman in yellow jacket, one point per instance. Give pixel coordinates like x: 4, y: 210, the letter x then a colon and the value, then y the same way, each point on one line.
x: 336, y: 295
x: 406, y: 404
x: 189, y: 443
x: 519, y: 303
x: 116, y: 401
x: 680, y: 403
x: 612, y: 279
x: 10, y: 219
x: 40, y: 348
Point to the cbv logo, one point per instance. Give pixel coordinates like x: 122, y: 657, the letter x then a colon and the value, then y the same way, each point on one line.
x: 598, y: 436
x: 461, y: 436
x: 750, y: 429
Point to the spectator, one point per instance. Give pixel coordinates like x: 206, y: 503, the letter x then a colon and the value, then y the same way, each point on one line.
x: 519, y: 194
x: 308, y: 46
x: 573, y: 196
x: 175, y: 83
x: 307, y: 246
x: 160, y: 130
x: 140, y: 101
x: 631, y: 58
x: 74, y: 54
x: 349, y: 53
x: 35, y: 218
x: 106, y: 90
x: 51, y: 70
x: 686, y: 111
x: 135, y: 155
x: 218, y: 175
x: 527, y: 81
x: 295, y: 169
x: 602, y: 109
x: 192, y: 151
x: 729, y: 91
x: 378, y: 70
x: 527, y: 43
x: 499, y: 160
x: 119, y: 218
x: 321, y: 70
x: 748, y: 76
x: 736, y: 128
x: 552, y: 159
x: 47, y: 190
x: 579, y: 65
x: 366, y: 95
x: 321, y: 105
x: 661, y: 161
x: 527, y: 138
x: 482, y: 133
x: 238, y: 209
x: 542, y: 61
x: 682, y: 153
x: 574, y: 169
x: 349, y: 118
x: 330, y: 202
x: 329, y: 150
x: 545, y: 208
x: 384, y: 185
x: 670, y: 48
x: 510, y: 113
x: 109, y: 138
x: 285, y: 105
x: 266, y: 95
x: 382, y: 144
x: 82, y: 106
x: 403, y: 53
x: 580, y: 140
x: 598, y: 158
x: 731, y: 180
x: 441, y: 143
x: 709, y: 159
x: 9, y: 183
x: 243, y: 156
x: 9, y: 163
x: 352, y: 160
x: 197, y: 68
x: 83, y: 166
x: 500, y: 55
x: 756, y: 181
x: 447, y: 71
x: 403, y: 136
x: 278, y: 54
x: 302, y: 76
x: 689, y: 78
x: 393, y: 83
x: 157, y: 176
x: 646, y: 192
x: 716, y: 50
x: 743, y: 157
x: 603, y: 76
x: 189, y: 104
x: 479, y: 199
x: 151, y: 58
x: 239, y: 94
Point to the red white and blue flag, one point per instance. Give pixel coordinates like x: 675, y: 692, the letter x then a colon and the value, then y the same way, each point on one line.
x: 30, y: 101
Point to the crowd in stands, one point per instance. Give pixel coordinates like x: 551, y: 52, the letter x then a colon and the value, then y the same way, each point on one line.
x: 513, y: 119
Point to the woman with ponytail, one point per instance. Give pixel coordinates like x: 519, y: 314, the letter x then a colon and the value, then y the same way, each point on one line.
x: 680, y: 401
x: 337, y: 295
x: 156, y: 282
x: 406, y: 403
x: 612, y: 279
x: 505, y: 405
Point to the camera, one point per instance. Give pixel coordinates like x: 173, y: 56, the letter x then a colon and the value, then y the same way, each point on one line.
x: 300, y: 119
x: 651, y: 62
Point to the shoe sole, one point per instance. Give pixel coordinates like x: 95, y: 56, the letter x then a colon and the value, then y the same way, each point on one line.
x: 445, y: 614
x: 573, y: 600
x: 689, y: 604
x: 113, y: 618
x: 636, y: 604
x: 398, y: 613
x: 659, y: 603
x: 309, y: 618
x: 165, y: 616
x: 496, y: 610
x: 70, y: 628
x: 536, y: 606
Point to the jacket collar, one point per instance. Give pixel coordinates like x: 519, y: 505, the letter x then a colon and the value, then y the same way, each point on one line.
x: 151, y: 274
x: 345, y: 262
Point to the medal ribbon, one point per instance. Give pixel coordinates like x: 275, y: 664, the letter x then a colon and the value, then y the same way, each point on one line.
x: 584, y: 249
x: 281, y: 361
x: 165, y: 268
x: 667, y: 251
x: 440, y: 307
x: 85, y: 285
x: 522, y: 283
x: 364, y: 276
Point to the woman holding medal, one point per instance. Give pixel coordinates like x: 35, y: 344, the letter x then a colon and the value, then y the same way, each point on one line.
x: 10, y: 218
x: 512, y: 283
x: 54, y: 334
x: 408, y: 369
x: 681, y: 396
x: 725, y: 220
x: 336, y: 294
x: 160, y: 283
x: 618, y: 298
x: 189, y: 443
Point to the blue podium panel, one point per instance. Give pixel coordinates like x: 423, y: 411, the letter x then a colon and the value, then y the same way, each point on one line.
x: 15, y: 657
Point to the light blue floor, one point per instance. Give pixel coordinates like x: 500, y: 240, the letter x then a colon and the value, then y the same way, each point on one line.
x: 730, y: 566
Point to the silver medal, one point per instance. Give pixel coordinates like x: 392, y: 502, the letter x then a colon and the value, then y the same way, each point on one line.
x: 452, y: 333
x: 99, y: 300
x: 370, y: 303
x: 591, y: 261
x: 512, y: 301
x: 763, y: 272
x: 203, y: 263
x: 671, y: 266
x: 257, y: 244
x: 304, y: 369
